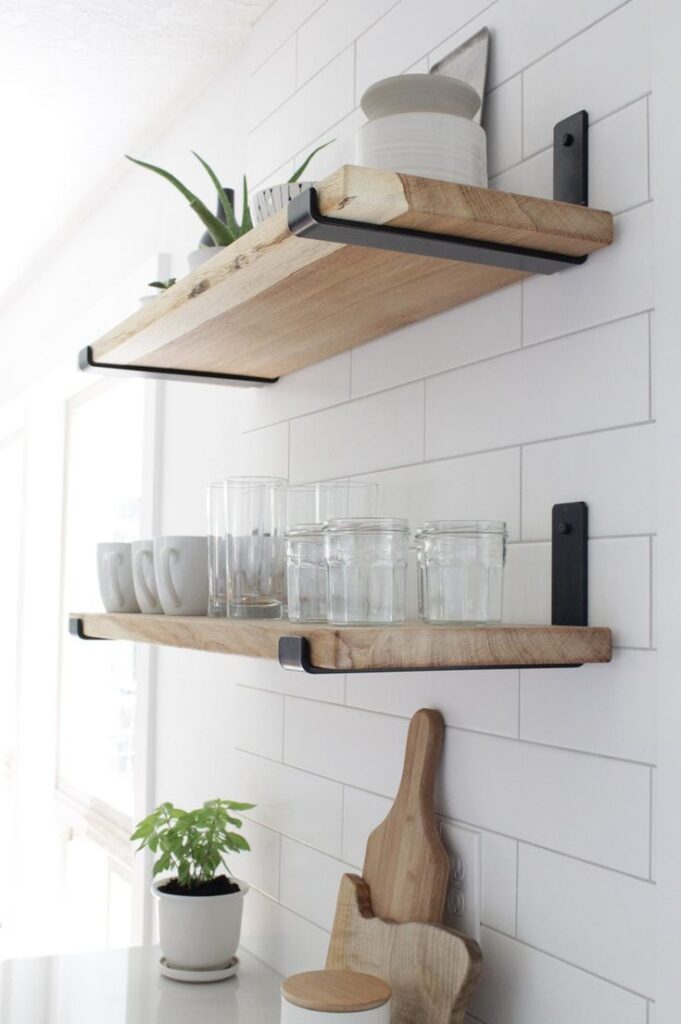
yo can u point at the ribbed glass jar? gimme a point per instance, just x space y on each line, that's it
367 570
306 573
460 570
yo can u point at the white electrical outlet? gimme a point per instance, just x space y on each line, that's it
463 895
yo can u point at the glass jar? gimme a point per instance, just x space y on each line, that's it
306 573
367 570
460 570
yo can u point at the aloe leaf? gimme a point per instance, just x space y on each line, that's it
246 220
230 219
303 167
220 233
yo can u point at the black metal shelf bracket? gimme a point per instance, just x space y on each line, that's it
569 596
87 361
570 175
76 628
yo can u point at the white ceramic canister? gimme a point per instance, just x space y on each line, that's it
422 125
335 997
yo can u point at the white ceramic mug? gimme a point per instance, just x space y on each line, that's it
181 567
114 572
143 577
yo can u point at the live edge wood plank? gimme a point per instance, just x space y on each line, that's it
272 303
411 645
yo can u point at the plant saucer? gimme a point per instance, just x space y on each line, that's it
199 975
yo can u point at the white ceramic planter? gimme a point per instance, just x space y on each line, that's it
199 932
203 253
270 200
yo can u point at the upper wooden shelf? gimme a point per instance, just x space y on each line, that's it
411 645
274 302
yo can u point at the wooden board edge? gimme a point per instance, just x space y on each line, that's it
381 197
360 648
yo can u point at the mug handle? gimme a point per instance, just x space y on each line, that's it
140 556
166 554
114 559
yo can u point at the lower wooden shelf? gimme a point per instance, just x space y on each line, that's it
410 645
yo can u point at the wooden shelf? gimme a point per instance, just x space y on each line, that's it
273 302
411 645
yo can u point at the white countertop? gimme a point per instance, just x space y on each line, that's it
125 987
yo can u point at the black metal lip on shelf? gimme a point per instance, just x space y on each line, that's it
570 185
87 361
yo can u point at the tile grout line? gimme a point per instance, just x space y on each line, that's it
651 824
651 588
575 966
448 820
517 886
650 364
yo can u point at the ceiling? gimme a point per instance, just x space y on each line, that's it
80 80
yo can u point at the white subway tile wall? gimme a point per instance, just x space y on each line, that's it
540 393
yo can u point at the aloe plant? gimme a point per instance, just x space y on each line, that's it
221 234
227 232
163 285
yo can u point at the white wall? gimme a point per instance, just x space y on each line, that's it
540 393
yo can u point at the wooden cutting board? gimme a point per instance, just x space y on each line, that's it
431 970
406 866
388 922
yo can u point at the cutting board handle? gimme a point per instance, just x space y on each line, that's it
406 866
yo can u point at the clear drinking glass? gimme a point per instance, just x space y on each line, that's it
460 570
367 570
332 499
306 573
255 511
217 551
345 499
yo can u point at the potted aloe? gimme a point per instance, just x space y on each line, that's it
222 228
199 907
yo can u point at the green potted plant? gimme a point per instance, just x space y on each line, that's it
269 200
199 907
222 228
160 286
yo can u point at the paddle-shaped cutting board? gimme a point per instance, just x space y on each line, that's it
406 866
388 922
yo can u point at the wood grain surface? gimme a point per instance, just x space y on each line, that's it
406 865
336 991
431 970
272 303
410 645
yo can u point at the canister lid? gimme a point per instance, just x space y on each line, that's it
336 991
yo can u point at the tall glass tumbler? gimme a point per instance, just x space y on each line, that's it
346 499
217 551
255 511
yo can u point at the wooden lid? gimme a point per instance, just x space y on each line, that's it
335 991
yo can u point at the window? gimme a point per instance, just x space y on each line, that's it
98 681
11 518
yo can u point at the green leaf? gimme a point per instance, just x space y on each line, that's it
230 219
219 232
246 220
303 167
